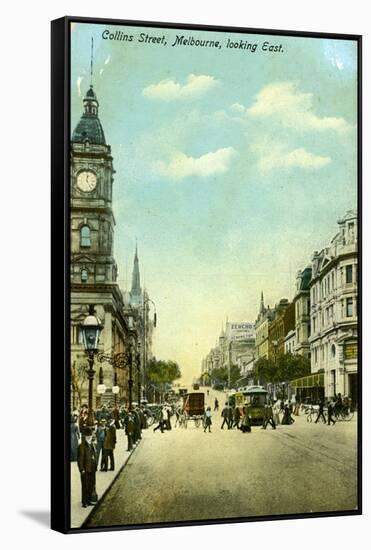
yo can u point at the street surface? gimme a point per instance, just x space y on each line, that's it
186 474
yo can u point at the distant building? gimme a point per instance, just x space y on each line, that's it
290 342
281 325
302 312
334 321
265 317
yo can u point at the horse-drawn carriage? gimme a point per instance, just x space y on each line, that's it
193 409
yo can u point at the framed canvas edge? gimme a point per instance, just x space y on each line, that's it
60 287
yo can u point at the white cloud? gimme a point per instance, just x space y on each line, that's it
78 84
180 166
292 108
169 90
273 156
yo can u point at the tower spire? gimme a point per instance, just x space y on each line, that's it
136 291
262 303
91 62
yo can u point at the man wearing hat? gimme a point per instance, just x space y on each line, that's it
100 435
87 463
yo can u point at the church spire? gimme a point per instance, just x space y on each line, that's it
136 291
262 303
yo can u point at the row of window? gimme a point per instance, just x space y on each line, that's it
328 283
320 352
347 310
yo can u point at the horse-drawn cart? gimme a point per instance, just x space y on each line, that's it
194 407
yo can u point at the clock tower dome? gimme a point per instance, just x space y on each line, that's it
92 220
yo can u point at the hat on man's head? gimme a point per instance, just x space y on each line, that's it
87 431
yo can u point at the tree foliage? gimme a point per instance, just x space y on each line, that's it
287 367
162 372
220 375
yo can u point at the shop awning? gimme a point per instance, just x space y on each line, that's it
313 381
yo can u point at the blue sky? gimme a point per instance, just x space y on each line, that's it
232 167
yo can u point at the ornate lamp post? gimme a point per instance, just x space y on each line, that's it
122 360
91 329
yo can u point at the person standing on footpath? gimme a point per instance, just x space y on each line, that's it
129 429
75 437
216 404
109 446
100 435
87 464
161 420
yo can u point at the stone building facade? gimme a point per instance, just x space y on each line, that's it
334 321
302 312
93 266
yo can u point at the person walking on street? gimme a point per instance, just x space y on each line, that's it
109 447
160 425
276 412
87 464
246 421
216 405
168 417
338 405
236 418
207 419
330 410
287 418
225 416
268 417
320 412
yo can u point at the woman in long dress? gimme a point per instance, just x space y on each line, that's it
246 421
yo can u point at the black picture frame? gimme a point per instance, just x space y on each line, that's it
60 267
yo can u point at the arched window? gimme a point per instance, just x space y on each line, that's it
84 275
85 236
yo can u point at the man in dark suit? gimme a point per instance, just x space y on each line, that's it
87 463
109 446
129 430
321 412
268 417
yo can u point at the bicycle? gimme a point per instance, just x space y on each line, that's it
343 414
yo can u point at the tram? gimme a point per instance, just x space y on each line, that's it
253 399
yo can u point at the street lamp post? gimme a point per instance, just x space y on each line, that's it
138 371
130 376
91 329
275 344
145 309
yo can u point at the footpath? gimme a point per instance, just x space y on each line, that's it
104 480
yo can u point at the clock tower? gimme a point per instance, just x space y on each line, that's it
92 220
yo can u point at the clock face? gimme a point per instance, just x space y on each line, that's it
87 181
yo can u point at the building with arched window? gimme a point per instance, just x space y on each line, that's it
333 311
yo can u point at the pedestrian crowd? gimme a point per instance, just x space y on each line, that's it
93 444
